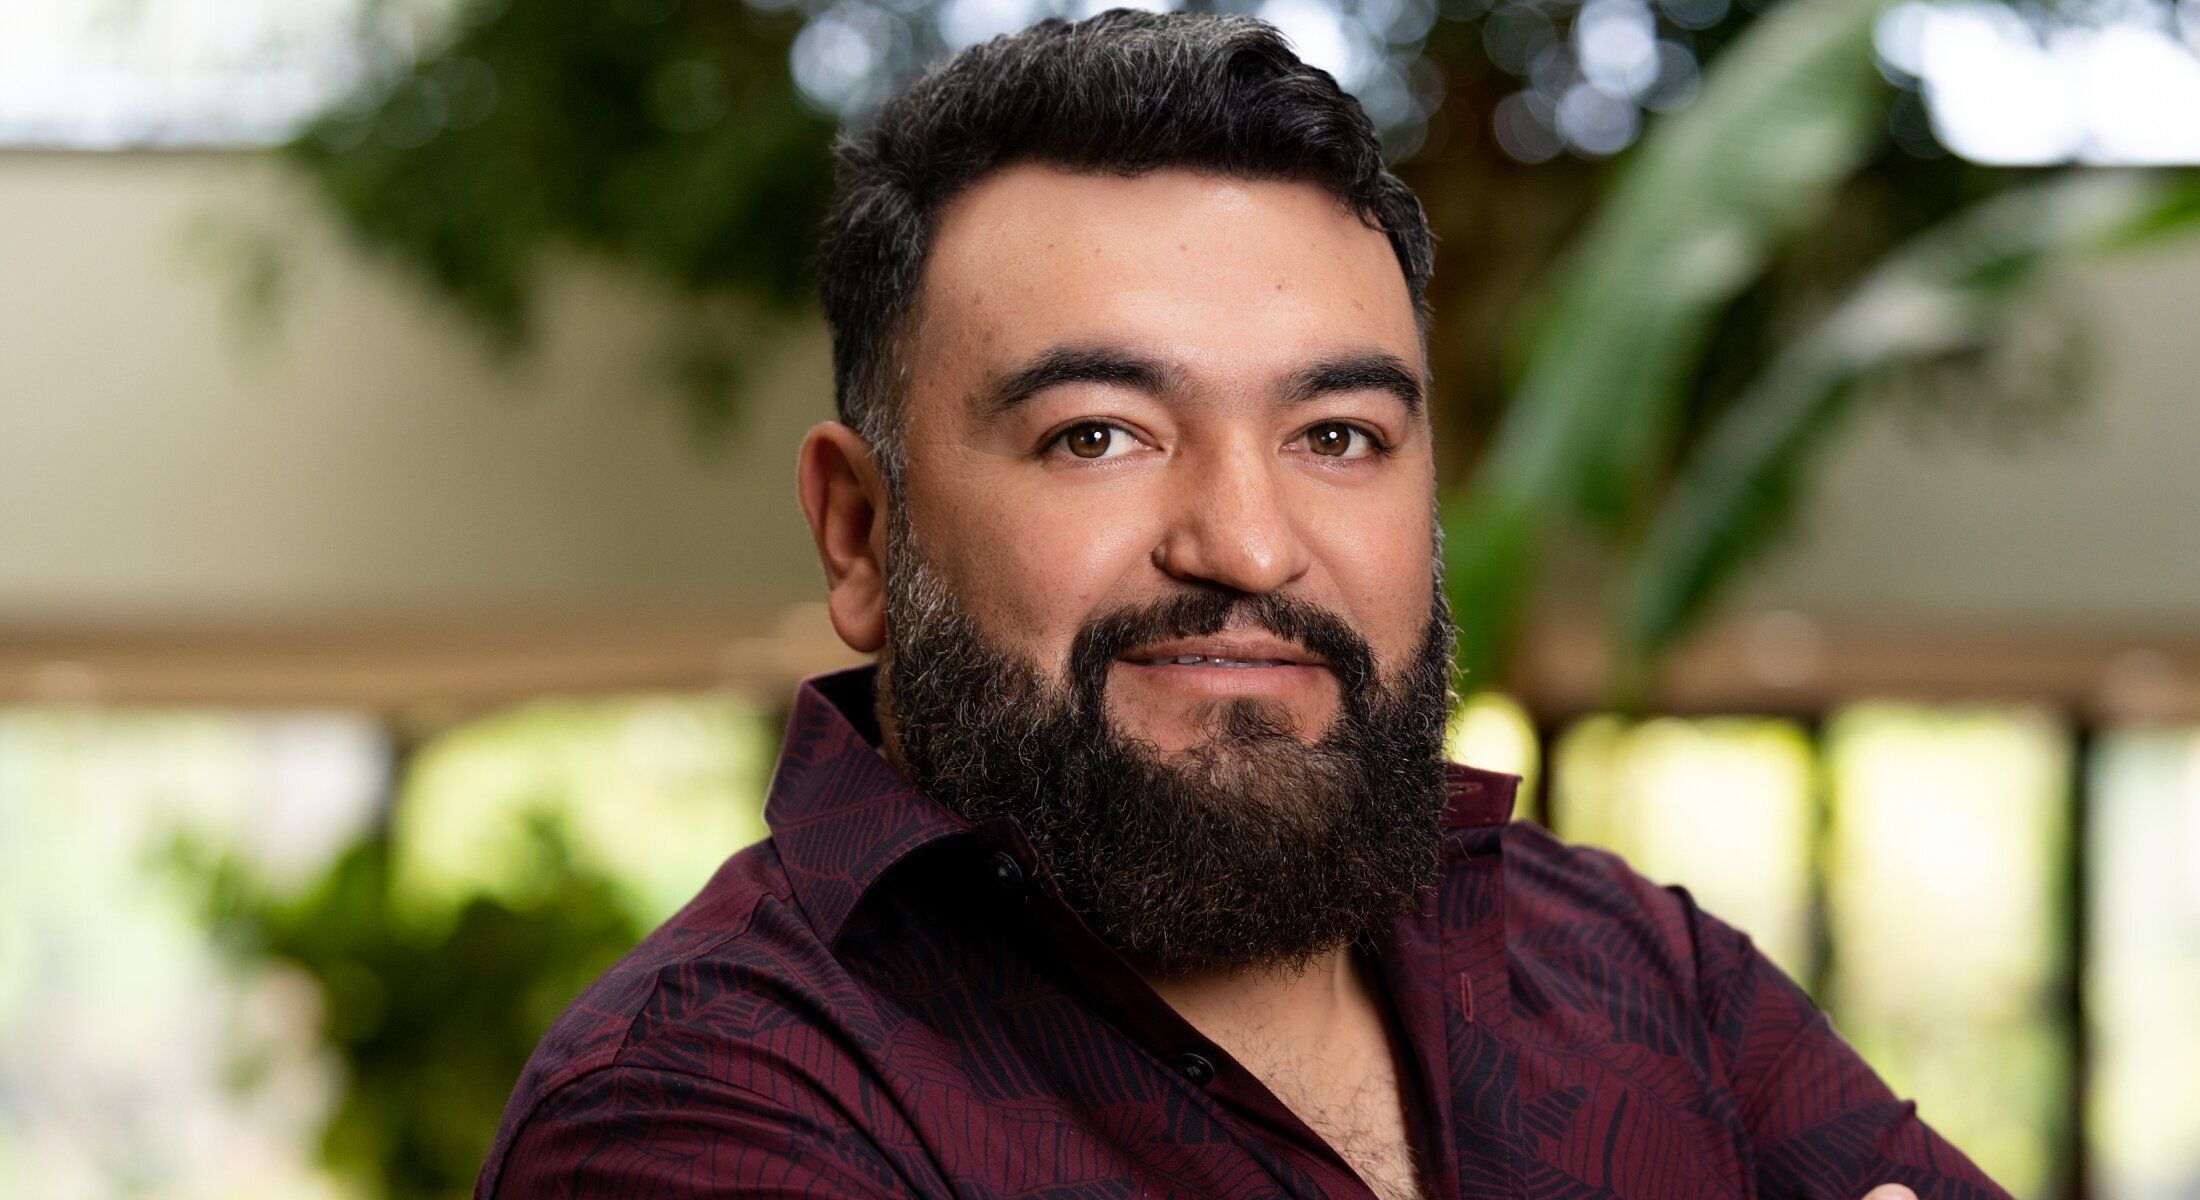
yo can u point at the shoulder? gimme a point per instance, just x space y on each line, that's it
626 1130
1586 930
691 999
1551 885
1581 922
743 914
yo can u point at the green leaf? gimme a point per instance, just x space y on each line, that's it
1787 112
1946 292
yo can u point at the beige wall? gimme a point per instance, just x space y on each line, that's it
160 463
159 460
2098 523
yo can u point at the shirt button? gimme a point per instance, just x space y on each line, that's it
1195 1068
1008 874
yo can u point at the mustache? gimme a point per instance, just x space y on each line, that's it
1114 635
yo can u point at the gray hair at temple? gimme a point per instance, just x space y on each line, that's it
1124 92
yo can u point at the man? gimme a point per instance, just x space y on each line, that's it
1136 870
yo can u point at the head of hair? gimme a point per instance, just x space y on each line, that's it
1124 92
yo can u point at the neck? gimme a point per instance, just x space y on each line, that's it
1317 1039
1296 1007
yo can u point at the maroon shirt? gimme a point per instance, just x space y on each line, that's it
884 1000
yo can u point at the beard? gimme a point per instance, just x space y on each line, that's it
1253 848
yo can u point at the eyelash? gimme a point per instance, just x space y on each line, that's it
1376 446
1058 442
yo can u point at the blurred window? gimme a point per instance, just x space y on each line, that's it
139 1055
105 74
2143 973
1943 841
2103 82
194 992
1947 885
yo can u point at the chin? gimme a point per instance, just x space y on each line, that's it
1222 728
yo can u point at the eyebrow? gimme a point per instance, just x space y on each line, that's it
1372 370
1076 364
1367 371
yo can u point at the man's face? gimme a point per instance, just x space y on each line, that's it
1159 582
1124 390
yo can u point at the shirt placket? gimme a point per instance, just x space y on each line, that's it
1481 1064
1296 1158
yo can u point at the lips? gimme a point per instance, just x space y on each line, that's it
1228 651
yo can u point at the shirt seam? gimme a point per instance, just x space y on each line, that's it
535 1110
1720 1000
1779 1063
617 1057
657 977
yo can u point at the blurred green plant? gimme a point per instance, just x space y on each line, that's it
665 138
525 851
1652 349
1691 220
432 1030
1687 361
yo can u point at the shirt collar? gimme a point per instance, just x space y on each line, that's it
842 816
1478 796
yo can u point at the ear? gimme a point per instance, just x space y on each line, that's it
844 498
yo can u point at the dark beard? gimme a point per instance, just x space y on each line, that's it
1253 849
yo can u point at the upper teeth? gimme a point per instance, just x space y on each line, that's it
1187 660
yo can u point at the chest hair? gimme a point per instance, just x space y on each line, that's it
1362 1118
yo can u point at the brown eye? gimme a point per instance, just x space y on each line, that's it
1089 440
1331 440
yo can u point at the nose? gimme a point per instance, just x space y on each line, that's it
1231 524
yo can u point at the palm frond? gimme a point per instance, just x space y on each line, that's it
1789 111
1947 292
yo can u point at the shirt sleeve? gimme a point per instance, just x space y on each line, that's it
630 1132
1822 1124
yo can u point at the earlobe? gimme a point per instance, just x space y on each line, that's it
843 498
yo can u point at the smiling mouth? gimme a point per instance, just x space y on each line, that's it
1201 660
1230 665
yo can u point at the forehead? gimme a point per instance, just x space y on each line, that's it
1239 278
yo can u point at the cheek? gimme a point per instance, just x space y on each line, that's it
1383 569
1033 567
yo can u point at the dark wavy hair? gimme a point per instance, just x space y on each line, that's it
1124 92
